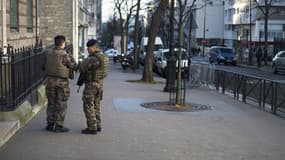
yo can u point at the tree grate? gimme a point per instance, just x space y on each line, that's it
166 106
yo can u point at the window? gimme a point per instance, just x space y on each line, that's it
29 15
282 54
14 15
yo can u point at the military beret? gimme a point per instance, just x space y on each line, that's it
91 42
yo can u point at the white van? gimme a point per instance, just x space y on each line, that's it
143 48
161 61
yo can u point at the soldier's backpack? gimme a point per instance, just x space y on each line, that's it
103 70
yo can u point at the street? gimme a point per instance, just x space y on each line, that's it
231 130
264 73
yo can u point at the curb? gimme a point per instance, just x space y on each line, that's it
8 129
11 122
262 68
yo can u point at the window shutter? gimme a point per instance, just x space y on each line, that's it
14 15
30 15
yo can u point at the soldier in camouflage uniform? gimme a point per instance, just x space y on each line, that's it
93 89
56 66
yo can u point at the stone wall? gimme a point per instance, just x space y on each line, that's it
55 19
22 37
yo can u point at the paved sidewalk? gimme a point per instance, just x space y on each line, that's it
232 130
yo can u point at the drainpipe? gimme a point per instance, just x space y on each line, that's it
37 36
4 26
75 29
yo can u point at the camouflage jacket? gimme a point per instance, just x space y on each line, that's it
57 63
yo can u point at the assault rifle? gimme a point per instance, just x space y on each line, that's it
81 79
69 50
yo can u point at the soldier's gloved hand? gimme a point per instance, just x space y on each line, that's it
76 68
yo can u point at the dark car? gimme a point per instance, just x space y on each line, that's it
278 62
221 54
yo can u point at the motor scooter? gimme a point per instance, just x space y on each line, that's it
127 61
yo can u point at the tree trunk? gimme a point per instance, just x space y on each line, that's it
155 21
180 44
127 39
190 33
122 29
122 41
266 16
136 53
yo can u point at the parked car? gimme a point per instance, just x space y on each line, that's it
278 62
110 53
161 61
220 54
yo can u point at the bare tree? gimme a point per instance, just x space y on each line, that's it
136 35
265 11
125 9
110 29
182 6
155 21
184 13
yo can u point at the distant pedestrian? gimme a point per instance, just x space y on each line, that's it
95 67
115 56
198 51
193 51
258 55
57 65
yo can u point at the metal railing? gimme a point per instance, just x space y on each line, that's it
268 94
279 44
21 73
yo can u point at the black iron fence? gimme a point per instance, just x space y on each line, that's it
20 74
279 44
268 94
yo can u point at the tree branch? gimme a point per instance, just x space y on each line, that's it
259 6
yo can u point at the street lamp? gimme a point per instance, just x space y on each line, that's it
171 61
250 56
204 30
206 2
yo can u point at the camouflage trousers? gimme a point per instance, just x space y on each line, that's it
92 95
57 92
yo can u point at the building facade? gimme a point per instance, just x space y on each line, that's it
243 16
238 23
210 22
18 23
76 19
244 24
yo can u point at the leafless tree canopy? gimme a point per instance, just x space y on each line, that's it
125 9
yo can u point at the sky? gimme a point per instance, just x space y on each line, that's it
107 9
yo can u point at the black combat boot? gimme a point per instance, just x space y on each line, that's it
50 127
60 128
88 131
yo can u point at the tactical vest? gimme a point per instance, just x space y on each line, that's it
103 70
54 66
